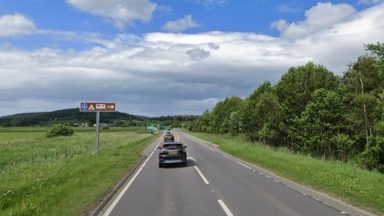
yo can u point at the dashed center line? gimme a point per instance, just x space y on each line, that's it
201 175
225 208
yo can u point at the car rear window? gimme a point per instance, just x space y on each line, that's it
173 146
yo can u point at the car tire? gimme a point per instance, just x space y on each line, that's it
185 163
160 165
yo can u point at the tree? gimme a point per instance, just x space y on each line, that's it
295 88
373 157
248 116
363 82
322 120
294 92
261 116
363 76
344 146
269 113
202 123
377 51
234 122
221 113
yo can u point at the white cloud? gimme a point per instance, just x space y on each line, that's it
281 25
16 24
370 2
209 3
164 9
181 24
175 73
119 12
319 17
285 8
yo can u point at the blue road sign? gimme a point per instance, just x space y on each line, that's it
84 106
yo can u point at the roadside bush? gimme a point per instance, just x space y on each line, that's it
59 130
373 157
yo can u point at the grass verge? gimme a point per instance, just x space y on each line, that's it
342 180
62 176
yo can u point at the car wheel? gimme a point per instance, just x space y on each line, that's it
160 165
185 163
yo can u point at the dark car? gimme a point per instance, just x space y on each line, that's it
172 153
168 137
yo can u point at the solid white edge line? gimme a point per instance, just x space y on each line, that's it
243 165
201 175
227 157
199 142
225 208
206 147
114 203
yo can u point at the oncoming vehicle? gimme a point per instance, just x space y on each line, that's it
172 153
168 137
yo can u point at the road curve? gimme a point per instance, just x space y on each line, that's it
214 183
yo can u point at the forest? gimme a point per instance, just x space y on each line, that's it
312 111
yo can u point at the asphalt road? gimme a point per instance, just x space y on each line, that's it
214 183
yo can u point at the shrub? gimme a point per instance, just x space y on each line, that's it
373 157
59 130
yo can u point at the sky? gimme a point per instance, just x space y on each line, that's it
169 57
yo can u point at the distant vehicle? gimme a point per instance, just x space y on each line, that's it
168 137
172 153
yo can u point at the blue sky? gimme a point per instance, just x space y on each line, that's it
210 15
172 56
223 15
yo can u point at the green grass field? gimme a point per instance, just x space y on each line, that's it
350 183
62 176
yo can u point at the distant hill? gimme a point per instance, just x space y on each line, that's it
71 116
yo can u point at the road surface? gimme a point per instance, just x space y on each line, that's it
214 183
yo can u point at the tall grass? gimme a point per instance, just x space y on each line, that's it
346 181
62 176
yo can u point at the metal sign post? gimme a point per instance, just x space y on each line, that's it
97 132
97 107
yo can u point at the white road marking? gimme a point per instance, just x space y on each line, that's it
222 204
244 165
225 208
192 159
206 147
114 203
177 137
201 175
199 141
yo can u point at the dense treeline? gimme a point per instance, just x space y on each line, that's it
310 110
177 121
68 116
